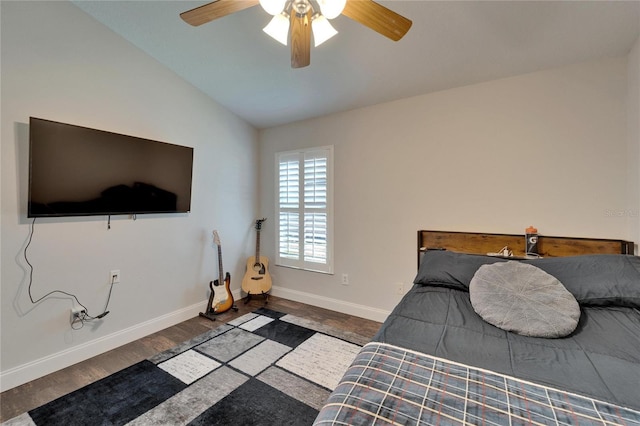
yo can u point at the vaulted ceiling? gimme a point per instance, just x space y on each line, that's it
451 44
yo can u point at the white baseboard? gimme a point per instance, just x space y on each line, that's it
354 309
41 367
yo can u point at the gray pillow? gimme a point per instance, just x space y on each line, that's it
598 279
446 268
594 280
523 299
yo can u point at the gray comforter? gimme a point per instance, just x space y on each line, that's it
601 359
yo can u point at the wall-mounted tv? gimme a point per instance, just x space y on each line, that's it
77 171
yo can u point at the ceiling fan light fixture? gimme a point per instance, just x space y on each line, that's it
322 30
294 20
278 28
272 7
331 8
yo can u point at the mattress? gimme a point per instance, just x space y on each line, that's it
593 370
601 359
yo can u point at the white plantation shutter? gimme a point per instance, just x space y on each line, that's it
304 209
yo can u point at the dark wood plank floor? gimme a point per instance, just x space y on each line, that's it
33 394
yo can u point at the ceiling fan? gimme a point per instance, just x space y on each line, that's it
293 20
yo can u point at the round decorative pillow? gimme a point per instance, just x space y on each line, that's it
523 299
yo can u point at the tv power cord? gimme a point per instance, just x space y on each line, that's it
79 315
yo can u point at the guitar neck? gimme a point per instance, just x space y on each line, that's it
258 247
221 273
258 228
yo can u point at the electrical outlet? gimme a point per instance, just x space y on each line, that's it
77 314
345 279
114 276
400 288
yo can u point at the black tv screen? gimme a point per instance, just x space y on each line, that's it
77 171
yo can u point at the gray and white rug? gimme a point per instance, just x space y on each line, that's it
264 368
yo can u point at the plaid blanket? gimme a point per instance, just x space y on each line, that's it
386 384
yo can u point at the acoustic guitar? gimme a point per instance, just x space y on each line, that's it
257 279
222 300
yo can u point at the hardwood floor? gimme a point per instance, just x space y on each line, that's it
40 391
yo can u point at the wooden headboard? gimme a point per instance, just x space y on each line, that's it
480 243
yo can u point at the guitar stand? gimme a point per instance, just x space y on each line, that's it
264 294
210 315
207 316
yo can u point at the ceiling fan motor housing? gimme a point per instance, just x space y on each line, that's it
301 7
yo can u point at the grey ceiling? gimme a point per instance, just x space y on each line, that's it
451 44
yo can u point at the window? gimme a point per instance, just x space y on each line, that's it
304 231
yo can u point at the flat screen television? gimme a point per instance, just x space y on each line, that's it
78 171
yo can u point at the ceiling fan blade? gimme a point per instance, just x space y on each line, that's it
217 9
378 18
300 40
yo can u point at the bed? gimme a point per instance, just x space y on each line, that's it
442 357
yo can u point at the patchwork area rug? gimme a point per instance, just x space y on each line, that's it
264 368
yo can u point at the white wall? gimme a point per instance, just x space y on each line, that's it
547 149
632 213
60 64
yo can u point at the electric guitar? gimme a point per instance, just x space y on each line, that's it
219 301
257 279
